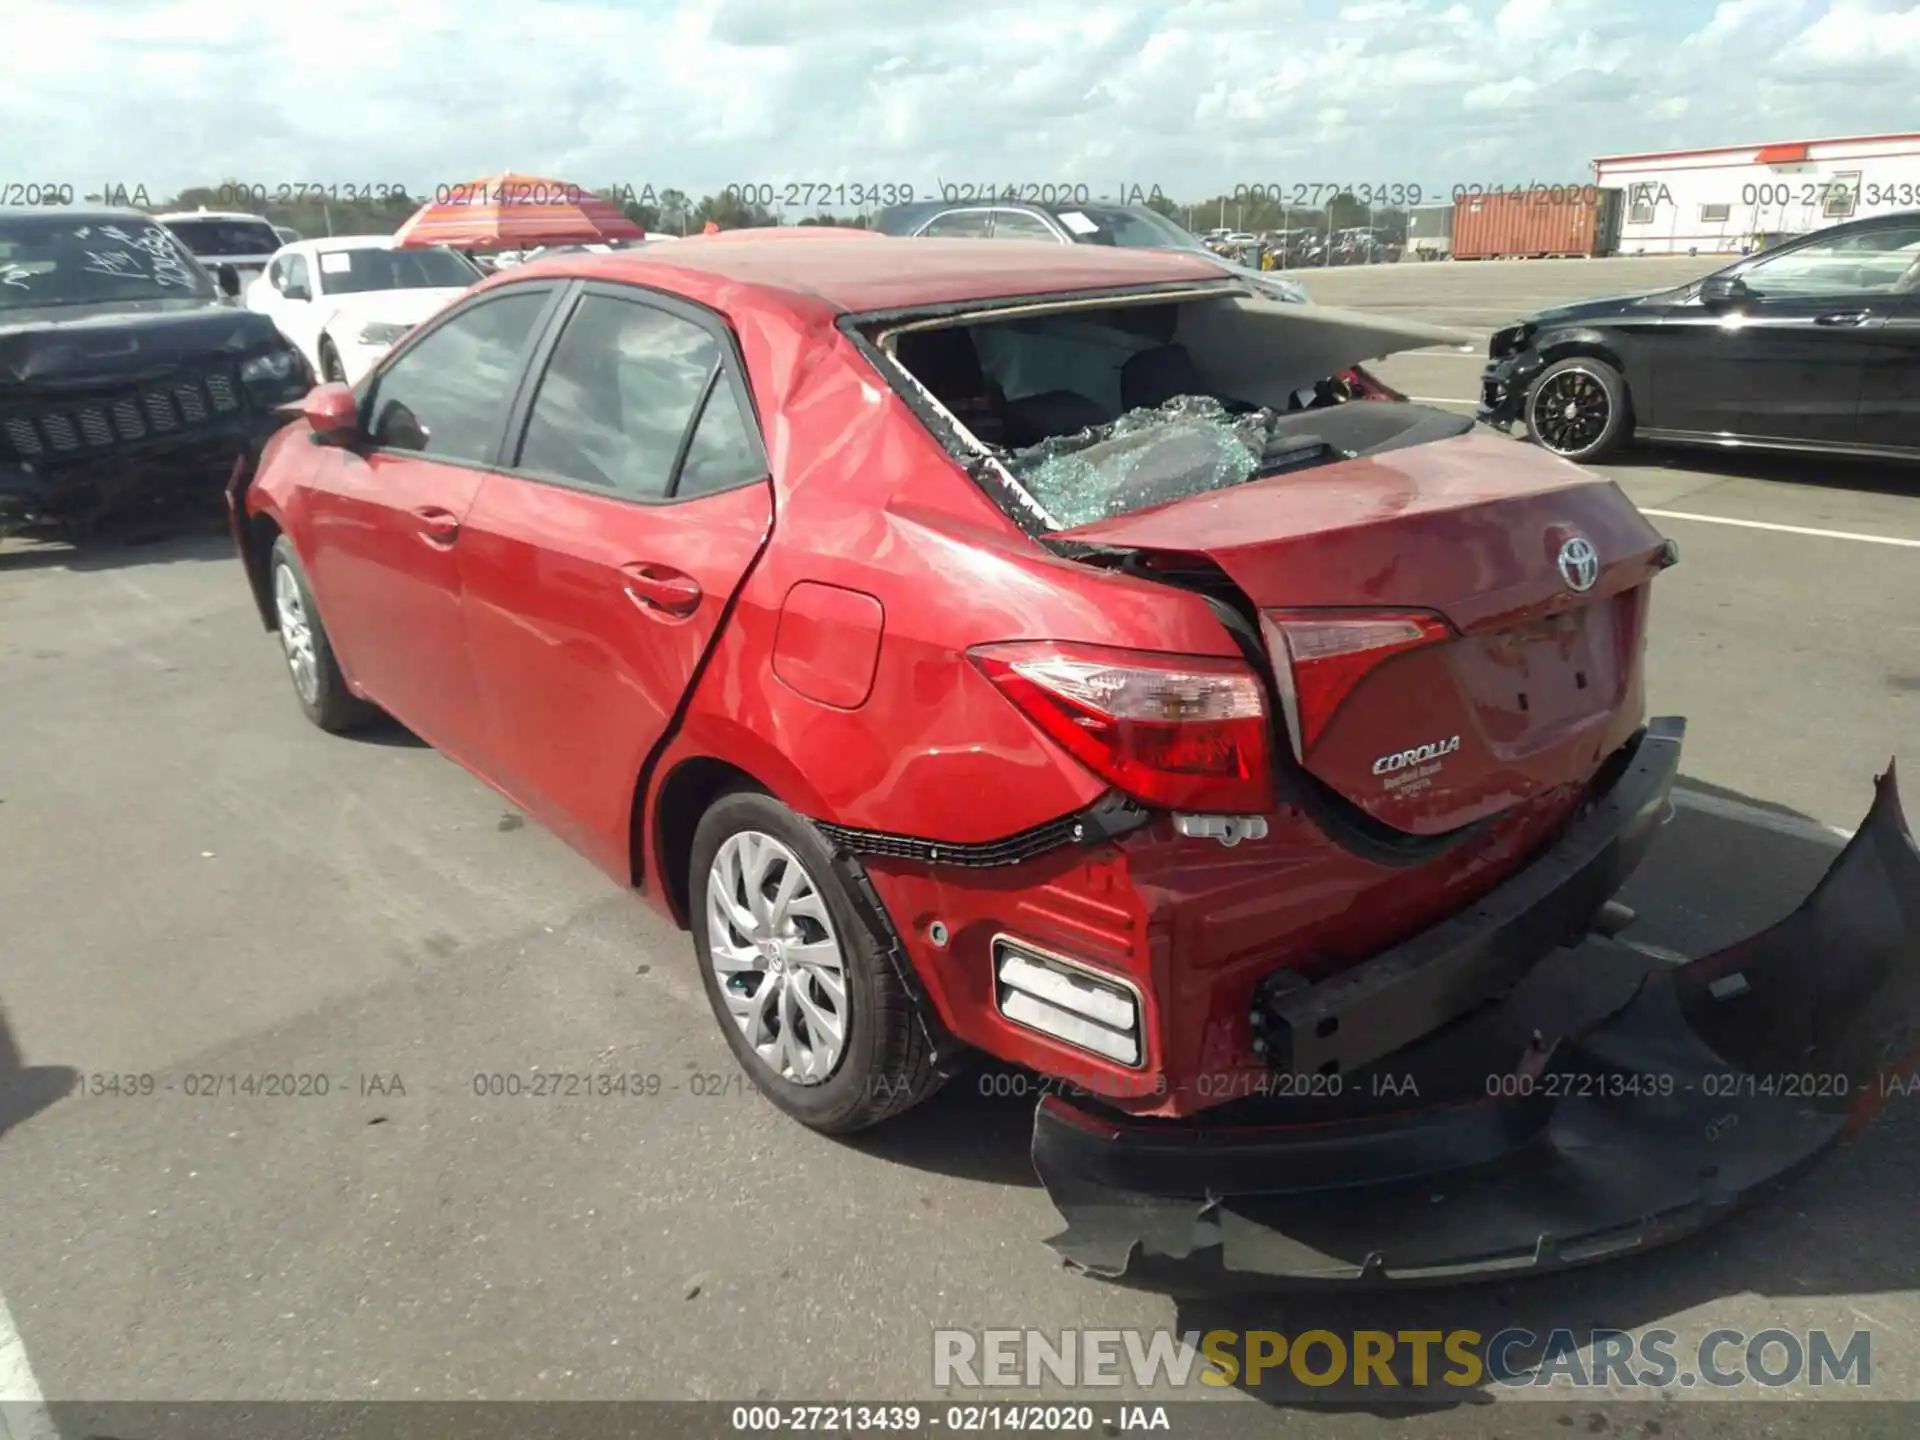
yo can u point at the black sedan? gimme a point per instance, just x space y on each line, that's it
1814 345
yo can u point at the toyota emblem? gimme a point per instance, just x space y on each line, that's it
1579 564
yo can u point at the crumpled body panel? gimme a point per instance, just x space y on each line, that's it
1671 1094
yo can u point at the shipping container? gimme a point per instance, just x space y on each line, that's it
1558 220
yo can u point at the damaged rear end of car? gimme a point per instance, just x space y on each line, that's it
1370 843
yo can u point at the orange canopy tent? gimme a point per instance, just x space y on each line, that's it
514 212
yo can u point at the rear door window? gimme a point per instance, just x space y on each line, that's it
724 451
617 397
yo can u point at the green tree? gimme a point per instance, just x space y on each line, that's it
675 211
730 212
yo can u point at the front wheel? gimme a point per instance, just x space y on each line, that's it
804 993
1579 409
317 682
331 370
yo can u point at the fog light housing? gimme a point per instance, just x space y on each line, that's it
1069 1002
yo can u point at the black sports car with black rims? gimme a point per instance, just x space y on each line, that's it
125 376
1813 345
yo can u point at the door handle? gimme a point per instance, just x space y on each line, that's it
438 527
1841 317
656 587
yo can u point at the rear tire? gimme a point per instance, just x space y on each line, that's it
317 682
802 989
1579 409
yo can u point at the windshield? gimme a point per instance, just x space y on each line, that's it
69 260
1129 226
226 239
350 272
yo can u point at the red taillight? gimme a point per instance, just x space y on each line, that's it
1329 652
1185 733
1364 387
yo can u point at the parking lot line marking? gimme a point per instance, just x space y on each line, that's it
23 1410
1440 400
1796 826
1784 529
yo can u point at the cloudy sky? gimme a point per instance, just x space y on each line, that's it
1193 97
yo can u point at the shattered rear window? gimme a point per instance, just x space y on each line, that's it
1150 456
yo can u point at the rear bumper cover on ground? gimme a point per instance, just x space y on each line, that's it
1612 1102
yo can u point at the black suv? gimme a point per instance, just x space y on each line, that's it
125 376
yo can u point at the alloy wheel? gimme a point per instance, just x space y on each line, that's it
1569 411
777 958
296 635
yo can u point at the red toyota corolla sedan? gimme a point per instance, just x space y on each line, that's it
983 646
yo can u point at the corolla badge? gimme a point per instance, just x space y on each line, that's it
1579 564
1418 755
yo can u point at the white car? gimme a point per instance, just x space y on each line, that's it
346 299
225 237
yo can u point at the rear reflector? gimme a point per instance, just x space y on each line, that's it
1181 732
1056 997
1319 657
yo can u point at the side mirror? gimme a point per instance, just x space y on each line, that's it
332 413
1722 290
228 279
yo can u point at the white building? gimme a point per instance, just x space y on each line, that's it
1720 199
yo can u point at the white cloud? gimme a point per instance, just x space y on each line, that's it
1192 95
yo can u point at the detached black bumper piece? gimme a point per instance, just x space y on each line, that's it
1611 1103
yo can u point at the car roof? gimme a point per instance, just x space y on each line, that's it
846 275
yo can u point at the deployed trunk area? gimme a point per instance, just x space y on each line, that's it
1100 411
1453 624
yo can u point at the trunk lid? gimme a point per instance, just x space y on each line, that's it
1536 682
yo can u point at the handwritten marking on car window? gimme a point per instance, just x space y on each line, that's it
111 262
167 266
15 275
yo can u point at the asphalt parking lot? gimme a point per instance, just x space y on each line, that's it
194 882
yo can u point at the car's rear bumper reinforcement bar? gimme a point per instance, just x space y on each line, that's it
1612 1102
1390 1001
